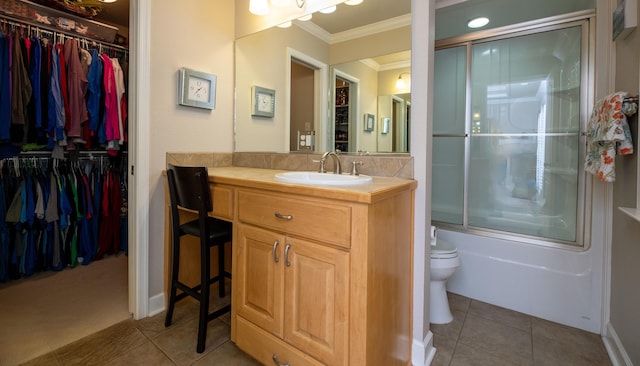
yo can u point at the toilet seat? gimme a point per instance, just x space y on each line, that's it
443 250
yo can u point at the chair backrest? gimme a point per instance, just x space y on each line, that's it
189 188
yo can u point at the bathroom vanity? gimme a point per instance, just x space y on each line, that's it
321 275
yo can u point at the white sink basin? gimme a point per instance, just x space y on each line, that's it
322 179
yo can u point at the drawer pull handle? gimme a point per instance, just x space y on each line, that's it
286 255
284 217
273 251
275 360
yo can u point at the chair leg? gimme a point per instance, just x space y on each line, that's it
175 270
221 287
205 258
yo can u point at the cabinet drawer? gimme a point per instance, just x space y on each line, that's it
263 346
317 220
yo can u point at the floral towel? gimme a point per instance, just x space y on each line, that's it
607 134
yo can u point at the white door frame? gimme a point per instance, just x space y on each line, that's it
138 182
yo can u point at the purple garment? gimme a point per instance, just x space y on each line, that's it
21 85
76 89
5 89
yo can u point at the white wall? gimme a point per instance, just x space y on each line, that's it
197 34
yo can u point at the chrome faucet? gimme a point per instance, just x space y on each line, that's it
336 162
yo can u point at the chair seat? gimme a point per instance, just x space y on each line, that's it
219 231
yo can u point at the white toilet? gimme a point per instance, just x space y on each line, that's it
444 262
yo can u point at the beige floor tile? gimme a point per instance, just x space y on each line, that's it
179 342
48 359
496 339
502 315
458 302
450 330
145 354
185 310
556 344
226 355
468 356
103 346
444 350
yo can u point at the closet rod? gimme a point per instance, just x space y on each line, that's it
53 31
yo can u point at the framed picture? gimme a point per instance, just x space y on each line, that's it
196 89
369 122
386 121
263 102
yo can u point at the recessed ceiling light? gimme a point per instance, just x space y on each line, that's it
478 22
328 10
353 2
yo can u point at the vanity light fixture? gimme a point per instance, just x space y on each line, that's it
306 17
107 1
261 7
478 22
353 2
328 10
400 83
285 25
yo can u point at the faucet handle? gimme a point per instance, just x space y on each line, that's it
354 169
321 167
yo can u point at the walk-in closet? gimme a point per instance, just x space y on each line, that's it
63 172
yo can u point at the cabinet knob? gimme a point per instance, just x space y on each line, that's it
275 360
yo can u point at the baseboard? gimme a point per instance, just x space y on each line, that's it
422 352
615 348
156 304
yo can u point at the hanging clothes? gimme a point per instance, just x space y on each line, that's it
49 216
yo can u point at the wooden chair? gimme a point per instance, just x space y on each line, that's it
189 189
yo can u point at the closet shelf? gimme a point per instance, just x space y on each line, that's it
634 213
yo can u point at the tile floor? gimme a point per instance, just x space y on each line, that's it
483 334
480 334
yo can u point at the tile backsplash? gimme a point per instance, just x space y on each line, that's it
399 166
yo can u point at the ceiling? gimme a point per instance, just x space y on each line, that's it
452 15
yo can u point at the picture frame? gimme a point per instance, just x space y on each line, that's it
386 121
196 89
369 122
263 102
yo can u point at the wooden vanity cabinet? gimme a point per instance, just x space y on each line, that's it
313 284
319 276
294 289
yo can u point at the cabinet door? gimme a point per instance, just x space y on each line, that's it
316 300
259 281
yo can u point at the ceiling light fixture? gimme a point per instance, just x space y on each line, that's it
478 22
400 83
285 24
107 1
353 2
306 17
261 7
328 10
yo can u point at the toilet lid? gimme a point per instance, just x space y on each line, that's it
443 249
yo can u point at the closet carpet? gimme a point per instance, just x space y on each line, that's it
47 310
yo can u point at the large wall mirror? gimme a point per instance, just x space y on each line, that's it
335 81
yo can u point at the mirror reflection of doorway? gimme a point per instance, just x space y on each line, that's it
302 113
345 111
